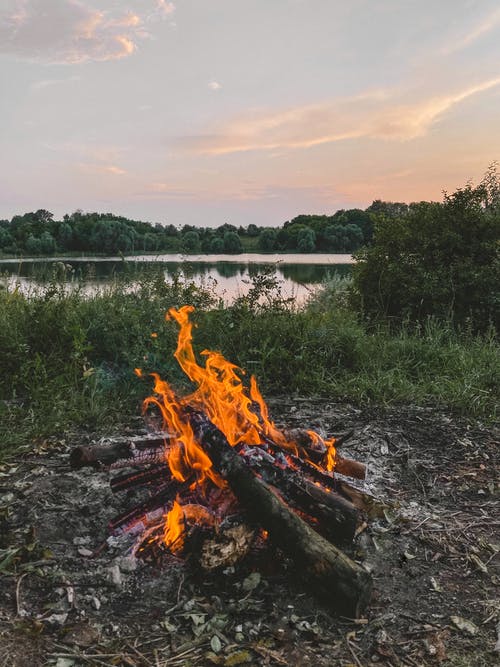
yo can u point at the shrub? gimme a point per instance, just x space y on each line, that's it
439 260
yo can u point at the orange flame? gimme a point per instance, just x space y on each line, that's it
241 414
175 523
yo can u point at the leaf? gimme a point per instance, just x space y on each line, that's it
478 563
197 619
237 658
463 624
8 559
216 644
435 585
251 582
65 662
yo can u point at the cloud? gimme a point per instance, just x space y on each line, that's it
70 31
49 83
486 25
241 192
379 115
101 168
165 8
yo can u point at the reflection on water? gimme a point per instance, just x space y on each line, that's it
229 278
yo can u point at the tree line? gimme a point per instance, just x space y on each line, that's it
38 233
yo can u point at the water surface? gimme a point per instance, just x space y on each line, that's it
229 275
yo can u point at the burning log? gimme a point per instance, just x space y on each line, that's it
337 517
345 585
335 511
307 442
141 450
154 507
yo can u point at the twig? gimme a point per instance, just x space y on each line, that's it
141 655
179 589
352 652
18 593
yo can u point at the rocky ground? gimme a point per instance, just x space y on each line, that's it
67 600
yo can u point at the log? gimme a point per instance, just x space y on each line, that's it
337 518
161 499
344 584
121 452
350 468
306 445
132 480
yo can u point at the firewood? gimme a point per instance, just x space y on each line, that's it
350 468
313 451
344 584
337 518
161 499
137 478
122 451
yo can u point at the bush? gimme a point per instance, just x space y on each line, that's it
439 260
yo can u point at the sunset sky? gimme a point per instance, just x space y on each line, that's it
243 111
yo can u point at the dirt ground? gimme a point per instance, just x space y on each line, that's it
432 550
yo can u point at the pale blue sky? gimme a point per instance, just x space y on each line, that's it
212 111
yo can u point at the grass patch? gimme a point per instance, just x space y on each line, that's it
68 358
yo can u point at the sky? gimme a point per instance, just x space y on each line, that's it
207 112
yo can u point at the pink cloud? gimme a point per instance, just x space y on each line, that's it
387 116
70 31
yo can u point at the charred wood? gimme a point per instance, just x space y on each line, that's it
344 584
160 500
131 451
137 478
336 517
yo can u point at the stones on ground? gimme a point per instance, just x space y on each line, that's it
85 552
128 564
115 575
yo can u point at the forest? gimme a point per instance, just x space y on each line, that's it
38 233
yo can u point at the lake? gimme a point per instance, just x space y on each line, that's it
299 274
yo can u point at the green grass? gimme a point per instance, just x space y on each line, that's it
67 359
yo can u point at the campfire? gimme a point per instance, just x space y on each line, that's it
221 477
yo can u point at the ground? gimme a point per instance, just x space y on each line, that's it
430 543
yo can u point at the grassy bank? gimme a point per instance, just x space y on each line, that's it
67 359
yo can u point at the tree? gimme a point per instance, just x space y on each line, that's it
6 239
65 236
217 245
267 240
306 240
226 227
47 243
150 241
232 243
112 236
190 242
33 245
438 259
253 230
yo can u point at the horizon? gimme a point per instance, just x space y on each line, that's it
222 112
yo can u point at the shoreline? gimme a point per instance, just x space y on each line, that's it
325 259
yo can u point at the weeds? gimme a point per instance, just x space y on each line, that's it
68 357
